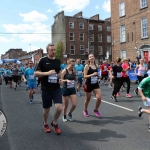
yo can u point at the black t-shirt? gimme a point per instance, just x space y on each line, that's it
117 71
49 83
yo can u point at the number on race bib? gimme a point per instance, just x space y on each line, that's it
94 79
53 78
72 85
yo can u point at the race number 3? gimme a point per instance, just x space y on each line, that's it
3 123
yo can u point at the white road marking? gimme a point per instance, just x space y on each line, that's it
116 105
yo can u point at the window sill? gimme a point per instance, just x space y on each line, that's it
82 54
81 29
143 7
122 16
122 42
71 40
99 41
72 54
144 38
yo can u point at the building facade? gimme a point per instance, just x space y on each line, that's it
34 56
13 53
81 36
129 28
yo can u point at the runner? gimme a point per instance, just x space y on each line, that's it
104 72
144 91
1 75
91 84
79 71
30 79
115 74
68 90
141 71
49 69
5 76
9 74
15 76
125 77
63 66
110 79
20 73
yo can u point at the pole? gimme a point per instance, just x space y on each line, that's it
30 47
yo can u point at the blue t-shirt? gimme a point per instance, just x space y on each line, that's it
79 69
5 72
9 73
29 74
1 71
146 66
20 71
63 66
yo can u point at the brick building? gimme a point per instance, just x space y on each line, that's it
34 56
81 36
13 53
129 28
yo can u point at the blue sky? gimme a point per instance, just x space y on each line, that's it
37 16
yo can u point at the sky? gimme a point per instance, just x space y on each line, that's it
27 24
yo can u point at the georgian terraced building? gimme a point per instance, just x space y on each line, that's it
130 28
81 36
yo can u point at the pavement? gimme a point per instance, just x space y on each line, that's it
119 128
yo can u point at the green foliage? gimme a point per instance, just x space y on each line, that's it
59 50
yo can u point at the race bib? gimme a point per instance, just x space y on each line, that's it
31 77
118 74
142 72
94 79
72 85
79 72
105 68
53 78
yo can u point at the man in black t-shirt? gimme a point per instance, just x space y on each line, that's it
49 69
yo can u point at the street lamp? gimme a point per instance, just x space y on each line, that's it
30 47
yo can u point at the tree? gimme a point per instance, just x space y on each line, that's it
59 50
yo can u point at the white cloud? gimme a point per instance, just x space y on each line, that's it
33 16
106 5
96 7
3 39
69 5
49 10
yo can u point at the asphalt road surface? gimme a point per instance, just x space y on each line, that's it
119 128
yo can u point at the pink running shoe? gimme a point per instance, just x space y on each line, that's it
128 96
118 94
97 113
85 112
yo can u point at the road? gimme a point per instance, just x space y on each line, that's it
119 128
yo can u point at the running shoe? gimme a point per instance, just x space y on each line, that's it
97 113
136 92
128 96
85 112
70 117
15 89
64 119
110 86
46 128
114 98
10 87
149 128
26 89
118 94
79 94
139 111
56 128
31 102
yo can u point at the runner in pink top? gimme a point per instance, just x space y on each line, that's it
124 75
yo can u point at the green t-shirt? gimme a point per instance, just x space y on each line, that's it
145 86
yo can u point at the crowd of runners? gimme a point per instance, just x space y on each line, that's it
63 82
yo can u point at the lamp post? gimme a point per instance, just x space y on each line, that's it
30 47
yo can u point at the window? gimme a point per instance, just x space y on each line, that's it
91 49
81 25
81 36
99 37
122 33
100 50
123 54
72 49
108 38
143 3
144 28
108 28
99 27
71 36
91 37
109 49
71 25
91 27
82 49
122 9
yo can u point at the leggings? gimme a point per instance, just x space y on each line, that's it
127 80
6 80
140 78
116 83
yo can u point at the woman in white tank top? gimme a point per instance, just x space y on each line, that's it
140 74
